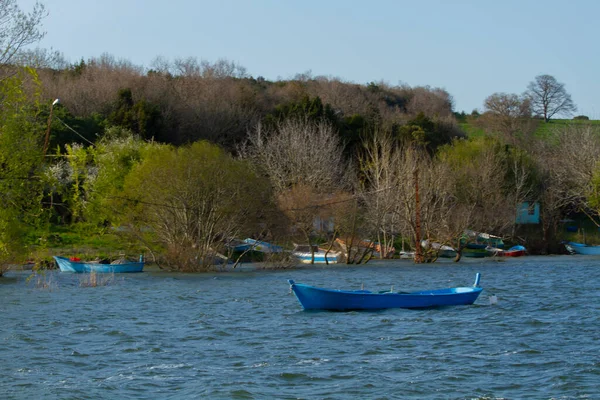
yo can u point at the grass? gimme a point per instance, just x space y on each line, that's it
76 241
94 279
41 280
544 129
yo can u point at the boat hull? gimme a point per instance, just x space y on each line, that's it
67 265
313 298
585 249
305 258
515 251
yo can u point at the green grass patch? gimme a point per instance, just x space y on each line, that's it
84 241
543 130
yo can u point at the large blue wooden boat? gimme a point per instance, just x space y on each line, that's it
314 298
73 265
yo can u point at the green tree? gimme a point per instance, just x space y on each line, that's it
141 117
309 108
113 158
188 202
425 130
20 164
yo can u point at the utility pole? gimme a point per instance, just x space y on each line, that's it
47 138
418 253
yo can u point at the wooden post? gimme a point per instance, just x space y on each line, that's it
418 253
47 138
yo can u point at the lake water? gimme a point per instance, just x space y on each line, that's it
242 335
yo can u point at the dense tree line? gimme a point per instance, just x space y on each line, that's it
186 156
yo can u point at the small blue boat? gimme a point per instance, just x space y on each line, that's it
584 249
313 298
70 265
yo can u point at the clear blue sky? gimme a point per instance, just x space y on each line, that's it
470 48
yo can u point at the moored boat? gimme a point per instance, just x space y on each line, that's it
515 251
78 266
314 298
321 256
584 249
441 250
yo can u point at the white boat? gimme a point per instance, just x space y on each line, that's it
441 249
305 256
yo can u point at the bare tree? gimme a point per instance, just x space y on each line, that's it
299 152
509 115
305 164
570 166
17 28
549 97
41 58
464 188
378 167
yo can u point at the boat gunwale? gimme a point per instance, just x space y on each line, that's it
425 293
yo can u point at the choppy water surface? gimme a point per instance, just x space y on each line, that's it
242 335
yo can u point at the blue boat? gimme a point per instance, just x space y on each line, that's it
313 298
253 245
74 265
584 249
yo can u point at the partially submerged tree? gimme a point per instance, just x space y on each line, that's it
477 196
191 200
377 166
569 165
548 97
304 162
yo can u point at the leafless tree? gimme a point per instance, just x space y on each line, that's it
549 97
433 102
305 164
41 58
378 166
509 115
299 152
460 193
18 29
569 167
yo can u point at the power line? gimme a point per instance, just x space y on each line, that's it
73 130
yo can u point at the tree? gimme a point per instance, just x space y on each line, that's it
433 133
189 201
20 165
17 28
570 165
113 158
141 117
304 162
507 114
377 166
465 188
299 151
549 97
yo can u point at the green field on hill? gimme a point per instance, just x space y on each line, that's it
543 128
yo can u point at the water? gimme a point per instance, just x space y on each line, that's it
242 335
